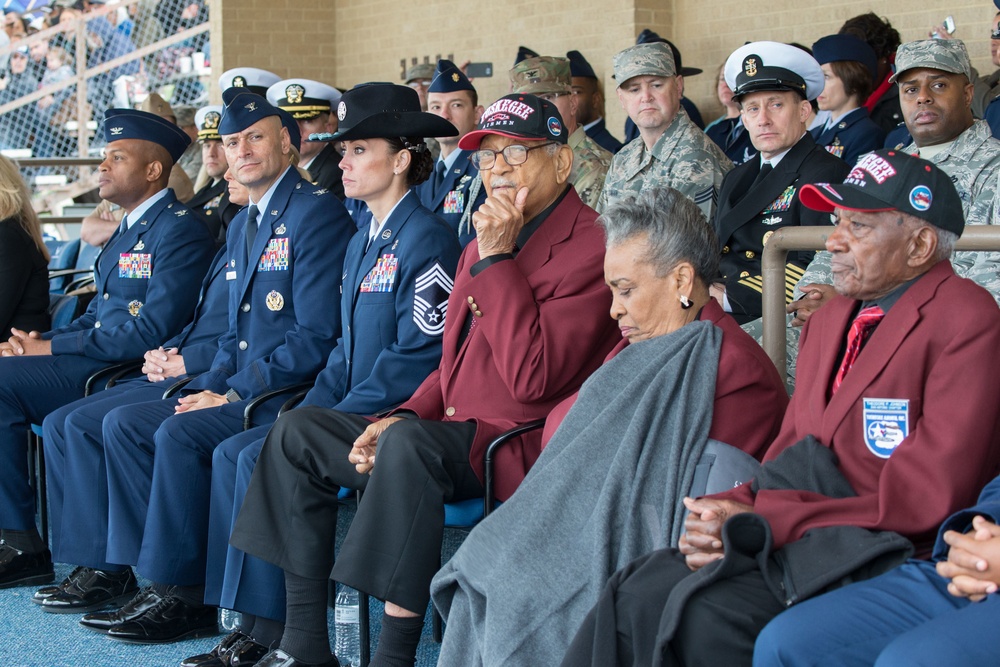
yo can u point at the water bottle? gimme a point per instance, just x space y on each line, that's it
230 620
346 620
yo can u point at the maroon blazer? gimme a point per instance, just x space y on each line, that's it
543 328
937 354
750 398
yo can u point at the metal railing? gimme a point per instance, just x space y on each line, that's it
786 239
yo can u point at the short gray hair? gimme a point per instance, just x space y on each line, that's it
946 243
677 231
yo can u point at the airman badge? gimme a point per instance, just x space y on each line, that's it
294 93
430 300
341 110
139 246
750 64
281 229
134 307
886 424
773 220
274 301
239 82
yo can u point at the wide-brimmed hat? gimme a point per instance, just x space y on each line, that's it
385 110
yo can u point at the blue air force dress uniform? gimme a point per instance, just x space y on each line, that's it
74 446
752 204
580 68
211 203
283 321
854 134
305 99
396 282
147 279
449 191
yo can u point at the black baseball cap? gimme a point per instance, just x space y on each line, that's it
518 116
890 180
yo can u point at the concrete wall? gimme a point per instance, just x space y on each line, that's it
343 42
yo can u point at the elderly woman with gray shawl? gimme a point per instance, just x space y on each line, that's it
609 484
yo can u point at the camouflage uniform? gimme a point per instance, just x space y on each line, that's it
590 167
547 75
683 157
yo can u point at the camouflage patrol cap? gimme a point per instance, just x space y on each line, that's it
541 75
650 59
420 71
947 55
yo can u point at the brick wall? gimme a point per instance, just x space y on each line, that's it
343 42
287 37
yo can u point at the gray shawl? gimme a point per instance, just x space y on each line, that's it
604 491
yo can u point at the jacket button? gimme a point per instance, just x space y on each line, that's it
479 313
725 249
246 307
243 345
106 296
750 254
471 300
97 325
450 412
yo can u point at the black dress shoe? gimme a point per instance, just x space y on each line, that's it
235 650
91 590
247 654
103 621
214 658
20 569
278 658
48 591
167 621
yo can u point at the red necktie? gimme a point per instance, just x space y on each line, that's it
861 328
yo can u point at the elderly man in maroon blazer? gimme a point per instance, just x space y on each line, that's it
893 426
527 321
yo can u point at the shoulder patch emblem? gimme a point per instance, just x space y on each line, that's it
430 300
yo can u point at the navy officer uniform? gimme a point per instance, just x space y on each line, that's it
397 278
146 279
74 445
211 203
853 134
449 191
283 320
308 100
754 201
580 68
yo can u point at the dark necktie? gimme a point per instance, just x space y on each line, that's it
765 169
251 231
861 329
439 172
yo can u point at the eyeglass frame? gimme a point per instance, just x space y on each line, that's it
474 157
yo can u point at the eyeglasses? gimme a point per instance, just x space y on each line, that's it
552 97
513 155
420 83
995 33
